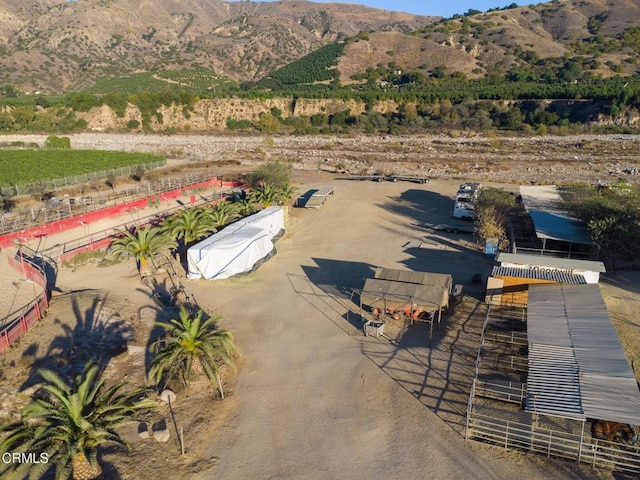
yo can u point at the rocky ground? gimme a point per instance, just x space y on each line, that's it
503 159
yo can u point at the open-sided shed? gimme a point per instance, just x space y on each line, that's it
559 233
409 294
577 366
580 399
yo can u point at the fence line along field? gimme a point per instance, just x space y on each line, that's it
21 168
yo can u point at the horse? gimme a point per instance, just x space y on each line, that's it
613 432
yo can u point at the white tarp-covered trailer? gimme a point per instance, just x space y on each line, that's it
237 248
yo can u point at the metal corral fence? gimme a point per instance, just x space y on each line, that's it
495 416
103 238
46 213
525 431
71 180
17 324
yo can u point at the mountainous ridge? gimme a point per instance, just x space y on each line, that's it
53 45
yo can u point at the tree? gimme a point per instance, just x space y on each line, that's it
265 195
142 244
267 123
189 225
192 345
490 225
276 173
68 423
492 210
497 198
222 214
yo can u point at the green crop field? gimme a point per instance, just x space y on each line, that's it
20 167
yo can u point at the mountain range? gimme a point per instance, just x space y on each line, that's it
56 46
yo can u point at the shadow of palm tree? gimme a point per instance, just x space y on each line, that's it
98 335
166 300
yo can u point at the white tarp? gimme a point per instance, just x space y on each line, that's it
236 248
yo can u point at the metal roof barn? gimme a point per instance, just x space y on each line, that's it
551 221
577 366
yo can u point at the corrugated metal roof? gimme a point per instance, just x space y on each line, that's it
551 262
577 367
551 275
550 219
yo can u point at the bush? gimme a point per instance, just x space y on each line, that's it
57 142
276 174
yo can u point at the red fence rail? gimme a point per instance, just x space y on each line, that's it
109 212
12 327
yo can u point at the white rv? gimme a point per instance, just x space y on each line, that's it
465 201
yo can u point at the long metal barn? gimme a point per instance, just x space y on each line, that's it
550 376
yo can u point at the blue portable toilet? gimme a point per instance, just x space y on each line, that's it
491 248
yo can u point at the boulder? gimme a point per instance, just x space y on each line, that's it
161 436
168 396
143 431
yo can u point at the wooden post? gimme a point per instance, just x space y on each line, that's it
182 439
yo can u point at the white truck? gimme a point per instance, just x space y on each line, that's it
465 201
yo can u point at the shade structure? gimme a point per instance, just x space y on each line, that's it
577 366
550 219
421 278
237 248
378 293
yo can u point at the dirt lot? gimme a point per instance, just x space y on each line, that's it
314 398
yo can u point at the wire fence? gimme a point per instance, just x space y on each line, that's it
70 180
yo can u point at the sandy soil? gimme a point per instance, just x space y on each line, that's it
314 398
15 292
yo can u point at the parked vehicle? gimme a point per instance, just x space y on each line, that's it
464 207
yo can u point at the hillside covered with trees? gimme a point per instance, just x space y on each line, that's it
559 66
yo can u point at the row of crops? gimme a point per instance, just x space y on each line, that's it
19 169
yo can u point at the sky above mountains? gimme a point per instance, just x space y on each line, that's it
432 7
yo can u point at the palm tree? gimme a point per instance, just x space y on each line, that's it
68 423
246 207
142 244
223 213
286 192
265 195
192 345
189 225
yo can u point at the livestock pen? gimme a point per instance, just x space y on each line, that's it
546 372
